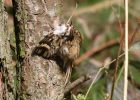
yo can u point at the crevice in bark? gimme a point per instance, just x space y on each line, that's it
18 33
40 79
6 66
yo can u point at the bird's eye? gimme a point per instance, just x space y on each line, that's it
70 38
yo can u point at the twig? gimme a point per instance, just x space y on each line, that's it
99 73
76 82
93 82
130 40
119 75
115 75
96 50
119 51
126 52
97 7
132 36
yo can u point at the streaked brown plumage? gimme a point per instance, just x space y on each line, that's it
69 51
66 47
48 46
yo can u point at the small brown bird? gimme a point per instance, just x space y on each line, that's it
65 46
69 50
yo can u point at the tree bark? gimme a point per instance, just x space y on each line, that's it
38 78
7 89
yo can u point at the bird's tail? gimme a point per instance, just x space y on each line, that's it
68 75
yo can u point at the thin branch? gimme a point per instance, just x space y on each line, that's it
99 73
119 51
76 82
126 51
132 36
93 82
97 7
96 50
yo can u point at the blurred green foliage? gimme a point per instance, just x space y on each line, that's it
104 25
97 91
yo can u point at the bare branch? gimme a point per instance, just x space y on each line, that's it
78 81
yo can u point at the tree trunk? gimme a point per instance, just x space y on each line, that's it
37 78
7 89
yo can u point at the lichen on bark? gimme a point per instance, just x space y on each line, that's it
40 79
7 89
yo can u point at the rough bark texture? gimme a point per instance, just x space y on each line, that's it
38 78
6 66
